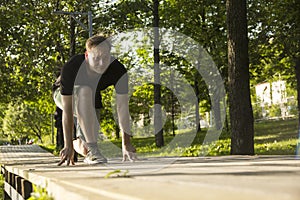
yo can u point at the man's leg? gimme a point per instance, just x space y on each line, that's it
79 142
80 146
86 114
88 123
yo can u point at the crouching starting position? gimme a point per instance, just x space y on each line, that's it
77 93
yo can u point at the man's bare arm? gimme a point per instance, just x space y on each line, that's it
67 119
67 152
123 112
124 122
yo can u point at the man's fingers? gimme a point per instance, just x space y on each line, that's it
130 156
66 155
70 160
124 157
61 162
130 159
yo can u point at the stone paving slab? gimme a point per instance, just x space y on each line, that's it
221 177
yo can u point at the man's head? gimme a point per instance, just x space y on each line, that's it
97 53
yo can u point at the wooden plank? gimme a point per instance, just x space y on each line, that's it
12 192
226 177
18 185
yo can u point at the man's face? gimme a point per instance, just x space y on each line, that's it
98 58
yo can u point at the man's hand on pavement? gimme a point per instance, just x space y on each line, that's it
66 154
129 152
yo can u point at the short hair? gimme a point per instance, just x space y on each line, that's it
95 41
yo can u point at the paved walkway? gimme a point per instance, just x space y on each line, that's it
225 177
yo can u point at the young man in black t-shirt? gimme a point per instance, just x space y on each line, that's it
77 93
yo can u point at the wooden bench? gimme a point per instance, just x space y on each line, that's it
209 178
16 186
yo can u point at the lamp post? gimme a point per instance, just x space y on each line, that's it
88 28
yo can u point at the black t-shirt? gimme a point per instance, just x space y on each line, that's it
74 72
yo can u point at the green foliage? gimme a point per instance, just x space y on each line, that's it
287 147
2 115
40 193
23 120
107 123
117 173
257 111
282 140
1 185
293 107
219 148
274 39
36 44
122 16
28 53
141 101
274 111
50 148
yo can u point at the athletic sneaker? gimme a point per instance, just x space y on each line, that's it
94 156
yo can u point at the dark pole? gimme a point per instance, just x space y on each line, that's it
159 140
172 101
73 15
90 21
72 38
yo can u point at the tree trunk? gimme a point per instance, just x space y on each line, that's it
159 139
240 108
297 70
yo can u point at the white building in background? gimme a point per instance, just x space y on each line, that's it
279 92
263 94
272 94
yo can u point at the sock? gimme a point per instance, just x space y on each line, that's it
91 146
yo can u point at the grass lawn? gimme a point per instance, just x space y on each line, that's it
278 137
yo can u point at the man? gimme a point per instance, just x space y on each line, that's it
80 82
